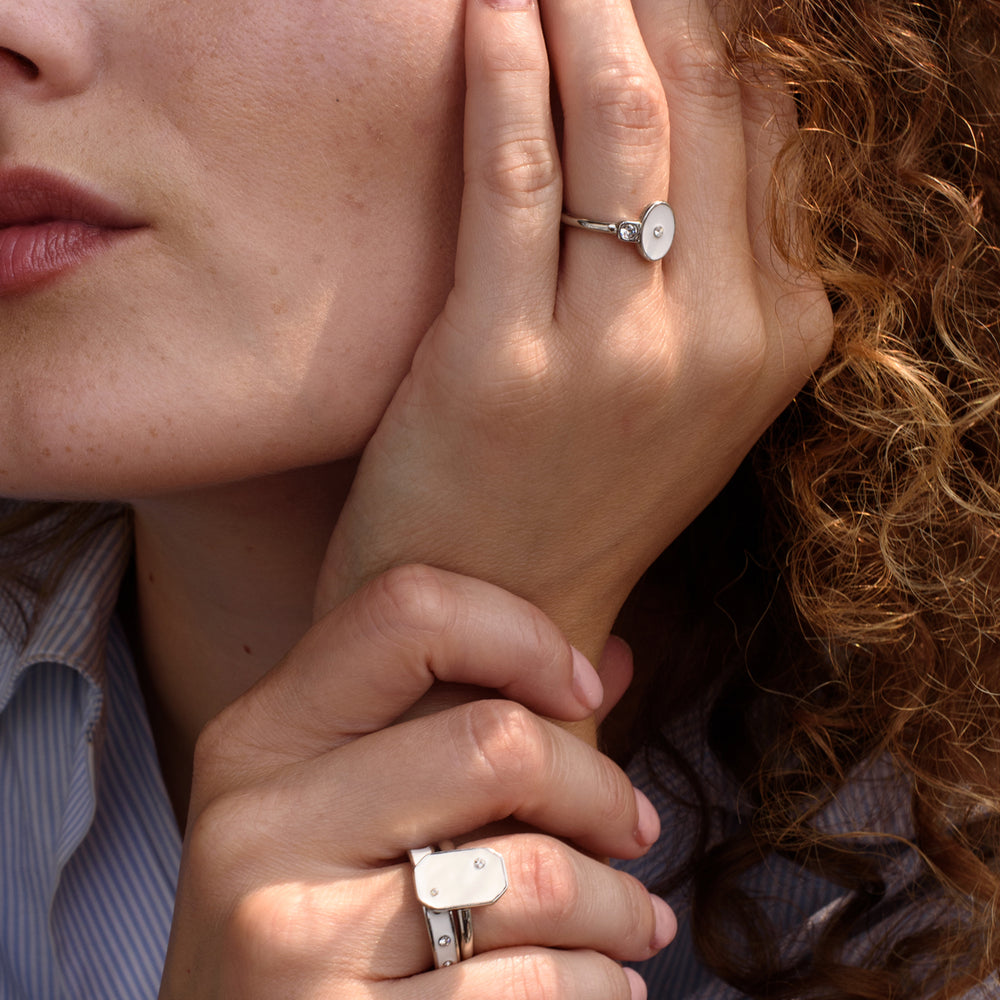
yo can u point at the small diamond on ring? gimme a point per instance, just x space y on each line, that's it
628 231
658 232
434 892
479 863
444 940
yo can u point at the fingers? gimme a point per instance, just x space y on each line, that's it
293 873
616 148
298 863
689 50
362 665
768 120
616 160
557 898
726 139
708 158
332 939
508 243
797 298
477 764
530 974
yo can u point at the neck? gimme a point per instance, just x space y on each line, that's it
225 579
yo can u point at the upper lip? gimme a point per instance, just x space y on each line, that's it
32 197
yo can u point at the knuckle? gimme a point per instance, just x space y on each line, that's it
614 798
210 747
217 843
521 170
262 923
410 601
745 356
219 758
637 919
636 364
537 975
697 65
504 743
734 351
630 106
526 360
634 354
511 389
274 930
523 375
551 886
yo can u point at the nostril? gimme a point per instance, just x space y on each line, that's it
26 65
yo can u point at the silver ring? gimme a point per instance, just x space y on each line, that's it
449 885
652 234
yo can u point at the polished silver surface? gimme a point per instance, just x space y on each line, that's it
441 925
652 235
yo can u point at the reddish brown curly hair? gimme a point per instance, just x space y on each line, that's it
869 519
843 587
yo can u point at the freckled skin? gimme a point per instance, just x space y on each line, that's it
298 167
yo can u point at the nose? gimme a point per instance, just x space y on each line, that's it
47 48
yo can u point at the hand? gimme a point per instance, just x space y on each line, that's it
293 882
574 406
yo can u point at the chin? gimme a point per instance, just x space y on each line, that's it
122 481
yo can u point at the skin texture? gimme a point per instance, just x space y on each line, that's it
297 168
224 367
345 797
603 398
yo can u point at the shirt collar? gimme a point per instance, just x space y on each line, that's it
71 627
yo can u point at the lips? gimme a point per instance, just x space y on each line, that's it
49 225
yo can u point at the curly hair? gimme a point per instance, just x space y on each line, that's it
843 586
869 517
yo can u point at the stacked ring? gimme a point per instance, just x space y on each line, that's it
449 884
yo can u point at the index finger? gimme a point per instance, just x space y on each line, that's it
370 659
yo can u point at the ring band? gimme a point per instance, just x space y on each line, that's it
652 234
441 924
449 884
462 921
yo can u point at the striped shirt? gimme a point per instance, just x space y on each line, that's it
89 847
872 812
90 851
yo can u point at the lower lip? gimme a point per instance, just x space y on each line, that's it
36 253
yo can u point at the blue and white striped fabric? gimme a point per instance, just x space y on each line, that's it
797 903
89 847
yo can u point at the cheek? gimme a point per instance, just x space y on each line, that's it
303 161
329 140
313 95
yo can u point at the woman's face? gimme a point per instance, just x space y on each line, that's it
273 195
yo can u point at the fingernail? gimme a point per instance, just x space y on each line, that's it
587 685
648 828
636 984
666 924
